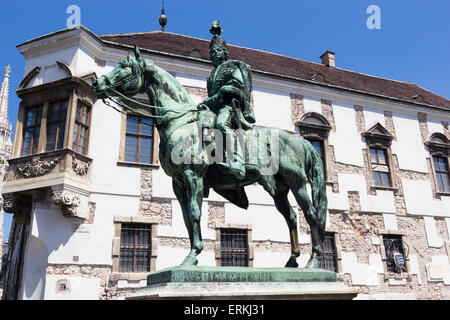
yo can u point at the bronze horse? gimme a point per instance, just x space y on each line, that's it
177 117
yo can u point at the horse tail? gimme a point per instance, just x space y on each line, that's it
315 173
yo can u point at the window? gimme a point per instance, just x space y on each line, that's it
233 247
318 145
81 129
327 259
139 139
395 253
135 248
379 157
56 125
380 168
442 173
315 128
439 147
31 130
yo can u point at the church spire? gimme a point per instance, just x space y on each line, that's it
4 91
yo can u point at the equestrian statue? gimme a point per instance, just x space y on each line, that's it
217 145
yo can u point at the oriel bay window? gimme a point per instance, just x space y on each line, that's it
56 125
53 116
81 128
31 130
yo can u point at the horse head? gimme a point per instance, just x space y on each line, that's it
127 77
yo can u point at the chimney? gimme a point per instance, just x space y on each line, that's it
328 59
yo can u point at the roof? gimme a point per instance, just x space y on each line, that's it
284 66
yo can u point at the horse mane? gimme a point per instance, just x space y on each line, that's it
171 87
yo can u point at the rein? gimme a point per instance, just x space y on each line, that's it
124 105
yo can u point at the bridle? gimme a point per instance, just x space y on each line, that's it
137 71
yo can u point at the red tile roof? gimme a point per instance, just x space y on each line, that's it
285 66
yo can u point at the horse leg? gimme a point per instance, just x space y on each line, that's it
301 195
193 182
180 193
284 207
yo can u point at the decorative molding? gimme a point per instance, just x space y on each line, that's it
11 203
79 167
37 167
68 201
65 67
30 75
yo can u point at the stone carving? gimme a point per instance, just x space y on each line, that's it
11 204
68 201
79 167
37 167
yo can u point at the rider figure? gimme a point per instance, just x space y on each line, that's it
229 89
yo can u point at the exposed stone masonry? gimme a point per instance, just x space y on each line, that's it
297 107
327 112
389 123
216 213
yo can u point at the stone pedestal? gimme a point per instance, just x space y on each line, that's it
238 283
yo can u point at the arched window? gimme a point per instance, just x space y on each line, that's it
315 128
439 147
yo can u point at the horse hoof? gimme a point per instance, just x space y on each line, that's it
189 261
312 264
292 263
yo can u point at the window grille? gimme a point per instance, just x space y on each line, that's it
135 248
394 246
327 260
233 247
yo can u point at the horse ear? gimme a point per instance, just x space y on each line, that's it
137 54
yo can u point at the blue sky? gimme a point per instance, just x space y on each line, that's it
412 45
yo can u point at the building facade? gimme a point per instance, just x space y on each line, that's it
94 213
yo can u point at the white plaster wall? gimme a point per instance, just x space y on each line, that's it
80 288
104 144
312 104
390 221
419 199
362 274
266 103
169 257
178 228
435 125
93 244
433 239
270 259
34 270
372 116
63 54
383 202
346 140
409 141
